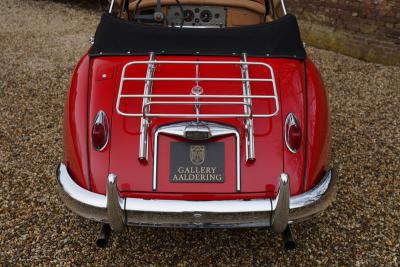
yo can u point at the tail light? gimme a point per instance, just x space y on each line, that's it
100 131
293 133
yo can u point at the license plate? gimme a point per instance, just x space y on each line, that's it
197 162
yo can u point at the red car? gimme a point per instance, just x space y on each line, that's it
199 114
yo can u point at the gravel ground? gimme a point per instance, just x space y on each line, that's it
39 44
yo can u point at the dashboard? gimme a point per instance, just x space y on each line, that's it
190 14
197 16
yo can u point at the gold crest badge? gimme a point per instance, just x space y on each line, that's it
197 154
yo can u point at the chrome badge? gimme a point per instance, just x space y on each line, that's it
197 90
197 154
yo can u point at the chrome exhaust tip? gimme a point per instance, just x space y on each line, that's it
102 239
288 239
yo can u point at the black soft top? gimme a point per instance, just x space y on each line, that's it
280 38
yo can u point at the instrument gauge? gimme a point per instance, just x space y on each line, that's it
206 16
189 15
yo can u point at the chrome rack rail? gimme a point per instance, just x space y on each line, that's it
197 98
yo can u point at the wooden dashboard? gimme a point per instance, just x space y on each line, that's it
210 13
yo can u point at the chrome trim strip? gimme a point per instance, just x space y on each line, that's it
179 129
181 206
280 205
201 214
155 160
238 169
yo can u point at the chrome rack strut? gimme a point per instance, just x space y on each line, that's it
283 7
197 90
145 120
249 126
111 6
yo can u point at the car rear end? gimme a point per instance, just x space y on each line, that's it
196 140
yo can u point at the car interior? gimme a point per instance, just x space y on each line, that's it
199 13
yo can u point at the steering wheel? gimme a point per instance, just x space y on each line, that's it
158 16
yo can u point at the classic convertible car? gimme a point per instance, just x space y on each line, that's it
198 114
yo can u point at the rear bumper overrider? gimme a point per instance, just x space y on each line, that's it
118 212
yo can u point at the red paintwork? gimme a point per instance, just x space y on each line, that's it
293 101
259 180
75 123
101 98
319 134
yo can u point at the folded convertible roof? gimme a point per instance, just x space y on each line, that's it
280 38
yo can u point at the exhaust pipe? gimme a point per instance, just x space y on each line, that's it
288 240
102 239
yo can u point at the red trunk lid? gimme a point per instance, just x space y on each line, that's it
137 177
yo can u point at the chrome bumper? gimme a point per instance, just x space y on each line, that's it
119 212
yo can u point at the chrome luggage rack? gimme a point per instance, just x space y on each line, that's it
197 98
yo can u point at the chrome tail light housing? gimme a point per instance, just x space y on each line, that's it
100 131
293 134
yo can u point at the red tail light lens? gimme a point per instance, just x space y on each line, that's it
100 131
293 135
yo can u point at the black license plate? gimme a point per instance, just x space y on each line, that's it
197 162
